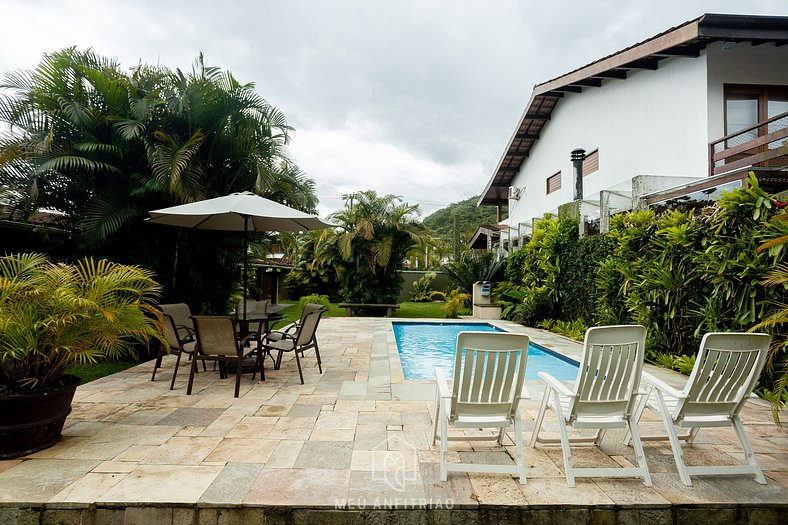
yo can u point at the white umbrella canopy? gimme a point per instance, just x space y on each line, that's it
242 212
237 212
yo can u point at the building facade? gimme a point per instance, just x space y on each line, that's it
647 119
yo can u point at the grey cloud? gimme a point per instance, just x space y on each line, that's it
441 82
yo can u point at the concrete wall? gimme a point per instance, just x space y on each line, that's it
440 283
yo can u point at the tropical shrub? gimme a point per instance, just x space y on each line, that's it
778 352
455 301
682 363
314 259
366 251
422 288
580 265
53 315
105 145
313 299
538 267
472 267
511 298
679 273
572 329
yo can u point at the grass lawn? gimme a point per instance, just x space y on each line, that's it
424 310
406 309
88 373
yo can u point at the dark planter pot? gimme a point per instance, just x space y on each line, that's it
33 422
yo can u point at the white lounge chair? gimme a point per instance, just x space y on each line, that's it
603 397
725 372
489 369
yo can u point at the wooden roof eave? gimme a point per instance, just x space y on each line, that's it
643 51
686 40
528 113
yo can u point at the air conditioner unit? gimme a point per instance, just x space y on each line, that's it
514 193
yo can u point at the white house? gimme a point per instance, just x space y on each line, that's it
649 119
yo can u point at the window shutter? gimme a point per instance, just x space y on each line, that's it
554 183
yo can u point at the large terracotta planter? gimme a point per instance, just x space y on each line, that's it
33 422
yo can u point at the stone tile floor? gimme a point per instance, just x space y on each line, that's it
356 436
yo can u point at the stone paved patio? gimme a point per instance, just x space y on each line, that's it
357 439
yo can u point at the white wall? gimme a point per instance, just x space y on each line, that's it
744 64
654 122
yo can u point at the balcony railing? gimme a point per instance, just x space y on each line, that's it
763 145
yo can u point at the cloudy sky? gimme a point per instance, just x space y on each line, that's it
415 98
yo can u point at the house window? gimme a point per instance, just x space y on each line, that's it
554 183
745 106
591 163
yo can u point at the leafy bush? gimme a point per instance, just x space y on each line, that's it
679 273
685 364
573 329
664 360
537 305
54 315
314 265
580 264
455 301
314 299
422 288
778 276
472 267
524 304
546 324
510 297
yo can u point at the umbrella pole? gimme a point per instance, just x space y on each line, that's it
246 249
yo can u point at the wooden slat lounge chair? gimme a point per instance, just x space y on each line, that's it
489 369
602 397
725 372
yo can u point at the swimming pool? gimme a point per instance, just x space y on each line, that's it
425 346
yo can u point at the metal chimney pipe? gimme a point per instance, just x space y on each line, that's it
578 156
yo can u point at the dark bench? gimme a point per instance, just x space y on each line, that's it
361 306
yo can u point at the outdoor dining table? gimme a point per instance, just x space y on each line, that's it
242 323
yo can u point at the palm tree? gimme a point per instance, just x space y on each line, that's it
375 235
777 352
105 147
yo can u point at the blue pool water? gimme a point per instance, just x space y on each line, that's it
425 346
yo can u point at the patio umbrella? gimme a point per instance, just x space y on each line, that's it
244 212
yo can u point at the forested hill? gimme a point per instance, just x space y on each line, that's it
470 217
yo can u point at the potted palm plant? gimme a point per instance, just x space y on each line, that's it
53 315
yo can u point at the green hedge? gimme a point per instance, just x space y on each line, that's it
679 273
